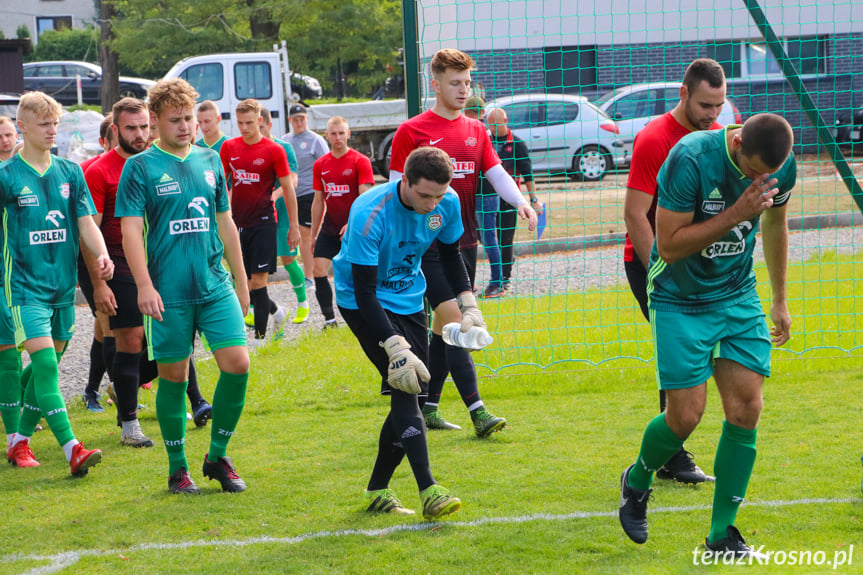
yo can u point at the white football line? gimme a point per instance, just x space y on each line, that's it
60 561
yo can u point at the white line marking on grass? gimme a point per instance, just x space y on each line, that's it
60 561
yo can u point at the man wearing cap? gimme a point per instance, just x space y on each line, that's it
474 108
308 147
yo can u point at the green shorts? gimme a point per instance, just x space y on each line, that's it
7 326
284 222
32 321
220 321
686 344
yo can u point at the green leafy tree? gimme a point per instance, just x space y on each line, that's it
68 44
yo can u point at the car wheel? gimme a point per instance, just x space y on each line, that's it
590 164
128 93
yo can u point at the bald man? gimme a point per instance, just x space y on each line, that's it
8 138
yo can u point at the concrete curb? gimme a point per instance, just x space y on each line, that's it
842 220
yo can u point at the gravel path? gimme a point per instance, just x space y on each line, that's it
560 272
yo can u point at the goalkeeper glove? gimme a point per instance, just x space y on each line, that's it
404 366
470 314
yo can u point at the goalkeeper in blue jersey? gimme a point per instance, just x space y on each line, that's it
714 190
379 291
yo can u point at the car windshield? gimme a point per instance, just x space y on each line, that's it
609 95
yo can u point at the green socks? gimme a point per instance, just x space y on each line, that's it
735 458
228 401
298 280
171 412
657 446
48 397
10 389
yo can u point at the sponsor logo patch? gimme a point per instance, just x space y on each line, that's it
712 207
462 169
723 249
29 200
337 189
189 226
244 177
168 189
40 237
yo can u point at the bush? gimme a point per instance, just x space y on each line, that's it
70 44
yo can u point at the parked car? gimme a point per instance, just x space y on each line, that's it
632 107
9 105
565 134
306 87
58 79
848 129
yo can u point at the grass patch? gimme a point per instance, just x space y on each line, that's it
308 436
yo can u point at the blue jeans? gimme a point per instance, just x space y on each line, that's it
486 216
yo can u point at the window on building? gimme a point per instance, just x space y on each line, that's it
45 23
754 59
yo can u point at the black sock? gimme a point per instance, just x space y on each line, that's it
661 400
324 293
193 391
438 368
148 370
97 367
109 350
261 301
390 454
410 429
463 372
126 373
273 307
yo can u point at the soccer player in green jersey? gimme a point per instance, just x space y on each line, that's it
177 225
46 211
208 120
713 191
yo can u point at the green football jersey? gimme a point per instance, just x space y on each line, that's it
292 155
699 177
178 199
217 147
40 227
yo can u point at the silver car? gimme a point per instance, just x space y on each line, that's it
565 134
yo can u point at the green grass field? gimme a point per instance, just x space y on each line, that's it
539 497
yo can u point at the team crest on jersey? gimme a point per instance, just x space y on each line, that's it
304 145
64 191
434 222
348 172
210 177
258 162
470 141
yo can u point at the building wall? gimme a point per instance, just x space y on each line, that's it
14 13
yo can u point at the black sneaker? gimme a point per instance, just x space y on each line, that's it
225 473
682 468
91 400
181 482
203 413
633 509
734 544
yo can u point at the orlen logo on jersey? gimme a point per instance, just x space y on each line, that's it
190 226
244 177
723 249
55 236
462 169
337 189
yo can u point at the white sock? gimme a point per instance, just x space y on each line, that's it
68 447
18 438
9 438
304 304
474 406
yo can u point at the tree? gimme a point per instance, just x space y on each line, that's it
67 44
110 90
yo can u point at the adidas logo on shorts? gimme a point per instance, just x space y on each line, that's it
411 432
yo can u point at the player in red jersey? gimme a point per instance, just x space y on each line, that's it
701 99
468 144
256 166
339 177
106 140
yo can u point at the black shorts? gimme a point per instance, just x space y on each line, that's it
636 275
438 289
86 284
304 209
414 329
126 294
258 244
327 245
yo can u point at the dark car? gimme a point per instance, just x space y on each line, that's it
848 129
58 79
306 87
9 105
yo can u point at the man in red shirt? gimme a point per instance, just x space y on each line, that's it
701 99
339 177
106 140
253 164
468 145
